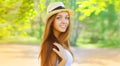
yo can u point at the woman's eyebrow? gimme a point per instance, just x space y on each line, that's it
68 16
59 15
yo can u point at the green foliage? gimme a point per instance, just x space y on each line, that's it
102 20
94 22
42 5
16 16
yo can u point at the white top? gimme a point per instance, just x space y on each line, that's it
70 59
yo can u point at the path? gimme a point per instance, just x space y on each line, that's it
26 55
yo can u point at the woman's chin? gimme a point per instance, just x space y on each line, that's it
63 30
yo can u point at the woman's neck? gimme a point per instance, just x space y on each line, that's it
56 33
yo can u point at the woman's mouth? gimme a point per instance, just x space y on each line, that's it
63 26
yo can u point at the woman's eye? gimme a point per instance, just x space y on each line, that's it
67 18
58 18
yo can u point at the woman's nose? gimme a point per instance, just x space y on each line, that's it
64 20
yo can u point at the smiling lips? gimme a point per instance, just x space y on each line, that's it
63 26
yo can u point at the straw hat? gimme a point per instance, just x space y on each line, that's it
56 7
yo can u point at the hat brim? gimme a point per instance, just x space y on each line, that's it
58 11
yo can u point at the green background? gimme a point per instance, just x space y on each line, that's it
95 23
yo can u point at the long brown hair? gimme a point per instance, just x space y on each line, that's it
47 55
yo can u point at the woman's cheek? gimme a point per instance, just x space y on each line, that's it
68 23
58 21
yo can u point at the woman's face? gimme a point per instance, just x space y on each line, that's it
61 22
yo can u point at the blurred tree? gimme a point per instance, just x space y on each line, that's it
19 18
93 20
101 17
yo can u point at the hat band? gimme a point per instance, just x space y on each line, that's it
57 8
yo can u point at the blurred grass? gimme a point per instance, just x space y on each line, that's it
25 40
112 43
98 45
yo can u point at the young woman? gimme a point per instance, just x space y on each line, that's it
55 47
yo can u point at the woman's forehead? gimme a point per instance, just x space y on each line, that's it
64 13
